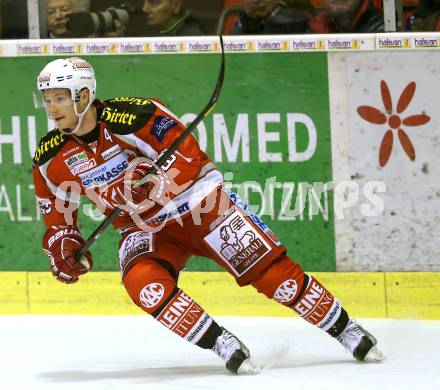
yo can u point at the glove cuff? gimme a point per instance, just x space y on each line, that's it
55 233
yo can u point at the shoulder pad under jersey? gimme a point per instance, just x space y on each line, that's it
49 146
126 115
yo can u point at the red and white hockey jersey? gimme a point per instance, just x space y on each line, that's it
65 166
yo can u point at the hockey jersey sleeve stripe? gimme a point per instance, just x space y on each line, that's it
57 190
164 109
47 194
205 169
52 187
191 197
136 142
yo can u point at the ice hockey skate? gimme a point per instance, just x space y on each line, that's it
360 343
235 354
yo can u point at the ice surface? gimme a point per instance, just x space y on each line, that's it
133 352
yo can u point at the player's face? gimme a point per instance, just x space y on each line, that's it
160 13
57 10
59 107
258 8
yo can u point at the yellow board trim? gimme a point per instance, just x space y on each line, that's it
368 294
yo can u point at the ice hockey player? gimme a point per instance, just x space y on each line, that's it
100 149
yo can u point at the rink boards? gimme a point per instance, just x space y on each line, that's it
369 295
288 119
287 133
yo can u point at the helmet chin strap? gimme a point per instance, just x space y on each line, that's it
80 118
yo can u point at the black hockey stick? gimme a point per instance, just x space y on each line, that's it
165 156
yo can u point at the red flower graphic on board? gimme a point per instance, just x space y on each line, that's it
394 121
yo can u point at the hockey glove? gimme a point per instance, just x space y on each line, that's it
140 193
136 198
60 243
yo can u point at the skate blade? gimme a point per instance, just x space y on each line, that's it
374 355
248 368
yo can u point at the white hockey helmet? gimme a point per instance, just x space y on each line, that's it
72 73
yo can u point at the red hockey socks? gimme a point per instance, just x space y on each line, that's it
185 317
286 282
151 284
319 307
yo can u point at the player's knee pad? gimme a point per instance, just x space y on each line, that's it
150 285
283 281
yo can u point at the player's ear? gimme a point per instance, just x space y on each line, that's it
84 96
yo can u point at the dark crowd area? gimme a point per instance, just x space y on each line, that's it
145 18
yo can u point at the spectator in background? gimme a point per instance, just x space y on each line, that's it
169 17
57 11
162 18
57 15
271 17
348 16
427 16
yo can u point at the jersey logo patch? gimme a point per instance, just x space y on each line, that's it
49 147
45 206
113 115
151 295
185 317
105 173
238 243
161 125
134 245
76 159
111 152
85 166
286 291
